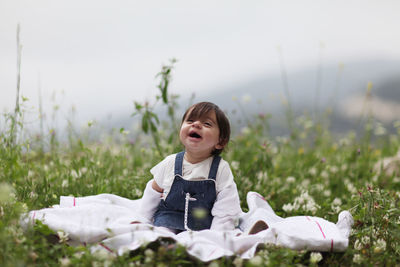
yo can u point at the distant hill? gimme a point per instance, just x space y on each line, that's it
338 86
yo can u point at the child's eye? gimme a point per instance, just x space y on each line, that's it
208 124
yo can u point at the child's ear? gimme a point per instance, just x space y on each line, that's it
219 146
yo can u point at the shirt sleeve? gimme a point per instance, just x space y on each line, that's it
159 171
226 209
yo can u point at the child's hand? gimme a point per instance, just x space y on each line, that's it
157 188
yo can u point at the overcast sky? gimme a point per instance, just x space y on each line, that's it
105 54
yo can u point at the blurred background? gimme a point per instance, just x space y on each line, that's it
88 61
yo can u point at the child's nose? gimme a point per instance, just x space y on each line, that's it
197 124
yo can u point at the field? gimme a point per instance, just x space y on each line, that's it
309 172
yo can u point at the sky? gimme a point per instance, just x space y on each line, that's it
99 56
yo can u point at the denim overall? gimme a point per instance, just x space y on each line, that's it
188 204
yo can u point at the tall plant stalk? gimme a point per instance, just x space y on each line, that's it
14 119
289 110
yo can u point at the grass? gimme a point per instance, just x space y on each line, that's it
310 172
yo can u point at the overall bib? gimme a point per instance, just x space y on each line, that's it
188 204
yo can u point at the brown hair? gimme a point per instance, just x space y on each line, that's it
200 109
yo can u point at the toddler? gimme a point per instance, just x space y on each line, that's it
195 189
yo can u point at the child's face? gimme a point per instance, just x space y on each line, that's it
201 135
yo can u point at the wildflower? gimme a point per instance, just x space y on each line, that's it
323 160
33 255
337 202
214 264
324 174
334 169
358 245
75 174
288 207
64 183
63 237
380 245
65 262
312 171
290 179
365 240
327 193
357 258
256 261
149 253
238 262
315 257
235 165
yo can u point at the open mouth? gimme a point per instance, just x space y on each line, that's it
194 135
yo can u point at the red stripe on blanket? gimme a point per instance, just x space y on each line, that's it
319 226
331 244
104 246
74 202
212 253
260 196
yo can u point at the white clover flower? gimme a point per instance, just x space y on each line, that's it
333 169
256 261
343 167
319 187
63 237
313 171
337 201
287 207
335 206
75 174
149 253
235 165
324 174
305 183
380 245
358 245
214 264
365 240
315 257
238 262
327 193
65 262
290 179
357 258
64 183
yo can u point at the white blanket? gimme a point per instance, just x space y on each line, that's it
114 224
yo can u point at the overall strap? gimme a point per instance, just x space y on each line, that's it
214 167
179 163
